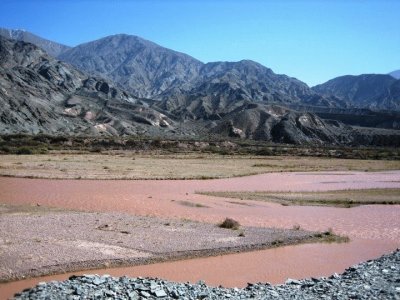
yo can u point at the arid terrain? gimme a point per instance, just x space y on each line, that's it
341 198
131 222
39 241
130 165
253 144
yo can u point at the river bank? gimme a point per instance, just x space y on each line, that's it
376 279
37 241
373 229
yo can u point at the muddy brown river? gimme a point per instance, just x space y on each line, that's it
373 229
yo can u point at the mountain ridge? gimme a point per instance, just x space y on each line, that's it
40 94
52 48
373 91
142 67
148 70
395 74
238 99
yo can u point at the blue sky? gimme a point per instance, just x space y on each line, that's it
308 39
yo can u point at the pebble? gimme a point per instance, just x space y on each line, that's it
376 279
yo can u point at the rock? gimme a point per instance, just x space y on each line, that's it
98 281
160 293
292 281
144 294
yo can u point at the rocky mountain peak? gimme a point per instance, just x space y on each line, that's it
140 66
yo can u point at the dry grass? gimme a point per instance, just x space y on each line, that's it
342 198
127 165
330 237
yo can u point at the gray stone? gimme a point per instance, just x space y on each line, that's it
144 294
160 293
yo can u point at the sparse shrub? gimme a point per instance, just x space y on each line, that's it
205 177
265 152
229 223
277 242
5 149
24 151
329 236
157 143
42 150
241 234
58 139
296 227
95 150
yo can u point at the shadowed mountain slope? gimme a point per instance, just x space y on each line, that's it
224 86
373 91
39 94
281 125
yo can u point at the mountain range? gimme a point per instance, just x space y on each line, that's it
52 48
40 94
395 74
124 84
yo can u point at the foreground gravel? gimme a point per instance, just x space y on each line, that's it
375 279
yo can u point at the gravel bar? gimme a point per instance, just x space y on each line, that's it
41 241
374 279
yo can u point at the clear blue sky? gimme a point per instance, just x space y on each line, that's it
313 40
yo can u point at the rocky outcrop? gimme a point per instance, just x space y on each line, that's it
281 125
360 117
39 94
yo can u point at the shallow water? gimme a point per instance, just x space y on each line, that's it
236 270
373 230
